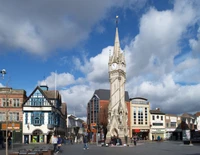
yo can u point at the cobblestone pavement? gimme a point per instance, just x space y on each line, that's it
142 148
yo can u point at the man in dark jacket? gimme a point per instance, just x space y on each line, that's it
85 142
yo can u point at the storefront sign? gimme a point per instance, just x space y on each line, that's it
144 130
11 126
158 131
140 130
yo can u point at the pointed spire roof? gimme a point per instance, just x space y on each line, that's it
116 51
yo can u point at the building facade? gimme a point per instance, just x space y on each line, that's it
42 116
140 118
173 127
11 101
157 124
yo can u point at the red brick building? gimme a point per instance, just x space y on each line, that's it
11 101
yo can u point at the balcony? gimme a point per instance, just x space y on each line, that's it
50 126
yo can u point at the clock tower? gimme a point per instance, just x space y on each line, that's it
117 109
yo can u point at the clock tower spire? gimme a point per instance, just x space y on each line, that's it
117 109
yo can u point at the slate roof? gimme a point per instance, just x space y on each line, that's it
157 112
51 94
104 94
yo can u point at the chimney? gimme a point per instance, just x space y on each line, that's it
158 109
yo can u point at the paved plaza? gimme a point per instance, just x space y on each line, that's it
143 148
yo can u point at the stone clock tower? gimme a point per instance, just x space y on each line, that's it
117 109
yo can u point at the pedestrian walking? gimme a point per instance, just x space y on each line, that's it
85 142
9 141
54 142
59 144
135 140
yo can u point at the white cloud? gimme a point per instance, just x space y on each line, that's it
171 97
60 80
77 98
40 27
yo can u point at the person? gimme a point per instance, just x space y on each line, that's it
135 140
2 141
85 142
9 141
59 144
54 142
152 137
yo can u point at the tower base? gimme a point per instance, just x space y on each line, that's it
124 139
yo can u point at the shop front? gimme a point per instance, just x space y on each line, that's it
37 136
158 134
13 130
143 134
173 134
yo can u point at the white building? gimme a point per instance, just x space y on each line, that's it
139 117
42 116
75 128
157 124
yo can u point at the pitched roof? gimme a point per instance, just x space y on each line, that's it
157 112
42 91
187 115
51 94
104 94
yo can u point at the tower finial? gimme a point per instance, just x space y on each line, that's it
117 21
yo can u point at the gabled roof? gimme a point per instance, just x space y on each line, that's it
42 92
104 94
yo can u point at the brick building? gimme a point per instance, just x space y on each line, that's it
11 101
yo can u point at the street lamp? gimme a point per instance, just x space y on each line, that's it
3 72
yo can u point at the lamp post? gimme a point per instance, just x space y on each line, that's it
3 72
13 125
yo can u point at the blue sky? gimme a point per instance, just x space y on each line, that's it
71 41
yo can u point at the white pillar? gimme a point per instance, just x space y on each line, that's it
45 139
29 137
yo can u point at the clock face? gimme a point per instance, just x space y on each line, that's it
114 66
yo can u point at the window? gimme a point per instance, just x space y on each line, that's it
140 115
16 102
173 124
26 118
146 116
134 115
161 117
37 118
167 125
2 116
153 117
157 117
5 102
157 124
